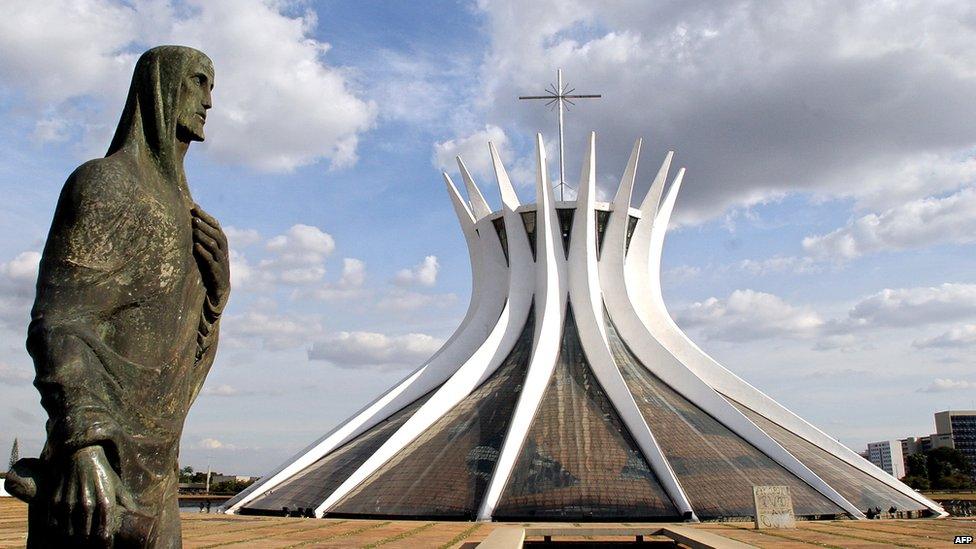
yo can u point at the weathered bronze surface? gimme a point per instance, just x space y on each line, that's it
124 328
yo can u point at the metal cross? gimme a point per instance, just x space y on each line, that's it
559 95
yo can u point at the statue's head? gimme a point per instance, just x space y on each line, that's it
194 101
167 103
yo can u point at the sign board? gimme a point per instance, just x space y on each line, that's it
774 507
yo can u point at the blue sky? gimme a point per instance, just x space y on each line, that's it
823 241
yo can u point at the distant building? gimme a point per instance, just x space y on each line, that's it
912 445
888 456
216 478
192 487
909 446
953 429
920 445
959 427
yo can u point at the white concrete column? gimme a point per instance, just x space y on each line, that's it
550 303
585 295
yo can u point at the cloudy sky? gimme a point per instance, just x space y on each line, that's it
822 247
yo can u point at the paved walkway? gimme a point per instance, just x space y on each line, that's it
235 532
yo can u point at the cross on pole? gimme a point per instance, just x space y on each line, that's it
559 95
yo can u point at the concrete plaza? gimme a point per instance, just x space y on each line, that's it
202 531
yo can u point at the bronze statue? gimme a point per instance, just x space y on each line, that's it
124 328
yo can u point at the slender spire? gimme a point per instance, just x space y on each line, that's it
479 207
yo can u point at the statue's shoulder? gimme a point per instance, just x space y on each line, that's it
102 186
100 207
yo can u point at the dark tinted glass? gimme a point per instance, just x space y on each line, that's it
565 216
602 218
528 219
631 225
312 485
716 467
858 487
502 236
578 461
445 471
964 439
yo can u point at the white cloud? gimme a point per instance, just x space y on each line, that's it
748 314
277 104
214 444
301 275
333 292
349 285
284 107
400 300
22 269
353 273
54 51
243 275
50 130
417 88
915 224
298 256
843 342
473 150
241 238
370 349
17 279
896 181
913 306
221 391
271 331
944 385
758 99
423 274
960 337
294 259
10 375
681 273
793 264
302 244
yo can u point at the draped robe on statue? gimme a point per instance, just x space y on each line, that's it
123 332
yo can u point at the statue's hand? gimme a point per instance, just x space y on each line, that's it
211 251
83 503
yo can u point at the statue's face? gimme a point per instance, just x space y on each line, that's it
195 101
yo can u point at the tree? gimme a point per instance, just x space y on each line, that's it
917 472
939 469
186 474
949 469
915 465
14 453
230 486
917 482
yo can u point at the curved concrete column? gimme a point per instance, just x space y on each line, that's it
489 287
479 207
585 295
662 363
637 255
647 295
550 304
493 349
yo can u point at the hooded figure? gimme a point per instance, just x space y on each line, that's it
124 328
